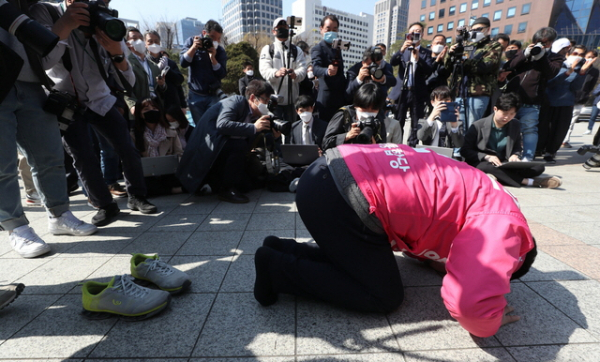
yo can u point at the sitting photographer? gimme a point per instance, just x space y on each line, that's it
361 122
437 130
207 61
85 80
217 152
496 139
153 137
370 69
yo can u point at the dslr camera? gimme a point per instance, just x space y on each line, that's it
369 127
104 18
536 50
340 44
64 106
206 42
414 37
374 70
277 124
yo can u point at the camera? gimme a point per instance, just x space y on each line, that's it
206 42
278 124
537 49
294 21
414 37
29 32
63 105
593 161
462 35
369 127
374 70
105 19
340 44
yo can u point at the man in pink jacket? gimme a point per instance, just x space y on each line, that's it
362 202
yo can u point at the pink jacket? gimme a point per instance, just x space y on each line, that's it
436 208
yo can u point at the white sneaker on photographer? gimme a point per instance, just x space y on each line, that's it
27 243
68 224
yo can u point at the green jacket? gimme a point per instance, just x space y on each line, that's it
141 88
481 68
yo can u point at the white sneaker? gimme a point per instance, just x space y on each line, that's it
68 224
33 200
589 131
25 241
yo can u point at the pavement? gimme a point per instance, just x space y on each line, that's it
219 320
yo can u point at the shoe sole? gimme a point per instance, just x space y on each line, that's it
18 292
93 315
72 233
29 203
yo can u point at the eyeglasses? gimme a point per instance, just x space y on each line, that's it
478 29
577 54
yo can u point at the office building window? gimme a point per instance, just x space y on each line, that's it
452 10
430 30
508 29
485 15
525 9
511 12
432 2
522 27
460 23
499 1
495 31
442 1
422 18
441 13
432 15
487 2
440 28
423 4
497 15
450 25
463 8
475 4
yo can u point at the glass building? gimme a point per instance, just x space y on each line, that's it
579 20
249 16
186 28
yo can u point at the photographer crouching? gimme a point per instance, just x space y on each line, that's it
361 122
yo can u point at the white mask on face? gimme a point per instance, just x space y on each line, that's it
573 59
306 117
250 73
437 49
216 44
174 125
154 48
138 46
363 115
263 108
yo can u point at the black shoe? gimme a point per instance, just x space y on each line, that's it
233 196
263 288
549 159
106 215
139 203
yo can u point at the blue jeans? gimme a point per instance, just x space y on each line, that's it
474 111
23 123
529 115
199 104
593 117
109 160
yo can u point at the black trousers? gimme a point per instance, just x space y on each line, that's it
229 169
512 177
554 123
408 100
352 266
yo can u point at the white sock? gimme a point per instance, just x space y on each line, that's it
529 182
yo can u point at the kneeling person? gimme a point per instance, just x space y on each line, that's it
433 131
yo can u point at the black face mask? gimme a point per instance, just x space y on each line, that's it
152 116
511 53
283 33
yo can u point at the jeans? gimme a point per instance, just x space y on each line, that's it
474 111
528 115
35 132
109 160
593 117
199 104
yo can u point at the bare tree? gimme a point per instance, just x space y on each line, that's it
258 39
166 28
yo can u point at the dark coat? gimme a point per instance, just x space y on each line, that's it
423 71
475 147
338 127
332 90
174 93
353 85
318 132
534 76
243 83
219 122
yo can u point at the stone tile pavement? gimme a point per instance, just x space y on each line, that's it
219 320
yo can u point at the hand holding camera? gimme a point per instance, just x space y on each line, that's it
263 123
353 132
332 70
111 46
75 16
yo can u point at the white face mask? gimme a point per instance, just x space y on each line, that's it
154 48
573 59
363 115
250 73
216 44
263 108
478 36
310 75
138 46
437 49
306 117
174 125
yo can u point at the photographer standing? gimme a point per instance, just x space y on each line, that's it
81 71
371 69
275 69
207 61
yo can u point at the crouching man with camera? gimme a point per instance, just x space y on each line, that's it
24 124
362 122
82 71
218 150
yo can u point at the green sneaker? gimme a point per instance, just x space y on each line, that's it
121 296
151 269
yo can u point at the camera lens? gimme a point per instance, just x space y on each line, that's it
115 29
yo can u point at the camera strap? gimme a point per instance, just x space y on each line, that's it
128 88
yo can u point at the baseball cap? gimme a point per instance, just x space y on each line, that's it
277 21
559 44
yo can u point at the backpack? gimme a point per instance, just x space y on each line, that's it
294 51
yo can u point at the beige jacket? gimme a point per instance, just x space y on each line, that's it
170 146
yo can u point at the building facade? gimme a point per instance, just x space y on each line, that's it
390 21
249 16
579 20
357 28
186 28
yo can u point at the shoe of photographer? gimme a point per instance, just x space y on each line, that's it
551 182
117 190
106 215
167 278
139 203
549 158
68 224
27 243
566 145
10 292
233 196
587 132
33 200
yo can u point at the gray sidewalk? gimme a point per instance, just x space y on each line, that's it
219 320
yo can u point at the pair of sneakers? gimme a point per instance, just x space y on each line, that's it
28 244
123 297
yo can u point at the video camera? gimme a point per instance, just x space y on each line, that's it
462 35
278 125
340 44
104 18
414 37
374 69
369 127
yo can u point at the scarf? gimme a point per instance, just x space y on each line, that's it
154 139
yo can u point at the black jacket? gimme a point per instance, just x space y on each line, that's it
353 85
423 71
243 83
475 147
332 90
317 132
338 127
534 75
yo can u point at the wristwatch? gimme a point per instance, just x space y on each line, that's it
117 58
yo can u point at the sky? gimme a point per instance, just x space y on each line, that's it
203 10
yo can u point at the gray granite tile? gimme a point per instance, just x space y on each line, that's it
423 323
60 275
118 265
166 243
229 208
172 223
17 267
559 353
577 299
225 222
415 273
135 360
302 235
276 203
206 272
284 197
460 355
196 206
323 329
299 224
366 357
98 245
551 214
246 359
268 222
59 332
129 222
239 326
583 231
538 322
169 334
22 311
211 243
240 276
546 267
253 239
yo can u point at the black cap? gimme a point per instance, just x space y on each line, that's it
483 20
